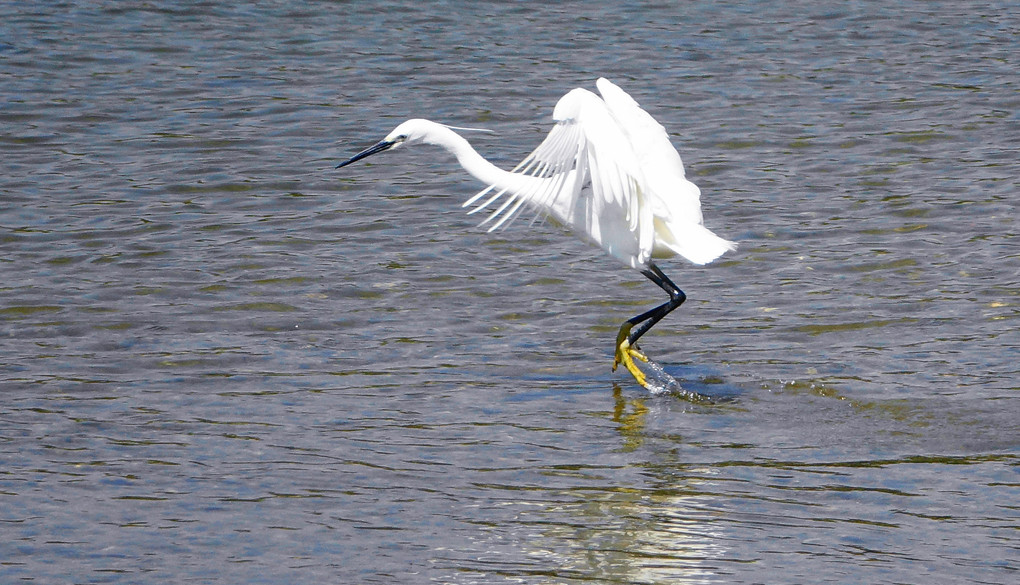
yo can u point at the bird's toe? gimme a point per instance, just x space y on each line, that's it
625 354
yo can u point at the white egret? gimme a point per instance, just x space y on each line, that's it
608 171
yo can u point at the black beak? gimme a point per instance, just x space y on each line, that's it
379 147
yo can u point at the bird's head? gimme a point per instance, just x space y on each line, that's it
409 132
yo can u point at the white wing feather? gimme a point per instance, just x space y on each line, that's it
675 201
587 147
672 193
609 172
551 162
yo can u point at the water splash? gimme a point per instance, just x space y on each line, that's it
660 382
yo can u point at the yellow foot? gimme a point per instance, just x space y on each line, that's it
625 354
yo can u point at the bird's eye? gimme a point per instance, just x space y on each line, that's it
401 138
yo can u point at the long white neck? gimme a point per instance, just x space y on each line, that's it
474 163
542 194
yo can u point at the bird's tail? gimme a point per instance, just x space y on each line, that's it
694 242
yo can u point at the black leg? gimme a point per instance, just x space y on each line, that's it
632 329
649 318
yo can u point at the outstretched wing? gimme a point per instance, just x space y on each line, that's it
585 175
675 201
671 194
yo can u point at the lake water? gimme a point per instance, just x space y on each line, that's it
224 361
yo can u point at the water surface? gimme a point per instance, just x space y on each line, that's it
225 362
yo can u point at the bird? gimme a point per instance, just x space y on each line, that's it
608 172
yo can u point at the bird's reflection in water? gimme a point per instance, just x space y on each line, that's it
629 413
663 531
